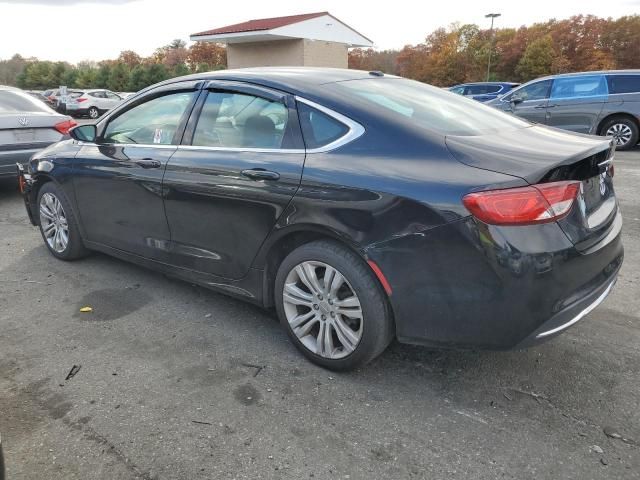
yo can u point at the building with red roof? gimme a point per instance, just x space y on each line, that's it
312 39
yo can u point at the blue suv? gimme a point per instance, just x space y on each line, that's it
483 91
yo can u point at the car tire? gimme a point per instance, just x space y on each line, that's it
93 113
624 130
58 224
351 315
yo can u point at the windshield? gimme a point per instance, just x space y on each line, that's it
430 107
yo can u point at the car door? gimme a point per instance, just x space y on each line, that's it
576 102
118 179
529 101
226 186
98 98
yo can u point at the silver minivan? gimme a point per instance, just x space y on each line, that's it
597 103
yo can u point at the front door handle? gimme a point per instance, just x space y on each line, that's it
260 174
148 163
540 106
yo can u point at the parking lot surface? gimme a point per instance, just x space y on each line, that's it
178 382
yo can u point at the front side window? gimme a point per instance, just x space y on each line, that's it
459 90
534 91
318 128
579 86
112 96
624 83
239 120
153 122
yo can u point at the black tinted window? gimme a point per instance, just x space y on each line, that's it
151 122
427 107
318 128
16 101
534 91
238 120
624 83
482 89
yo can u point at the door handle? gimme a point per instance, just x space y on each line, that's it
148 163
540 106
260 174
552 105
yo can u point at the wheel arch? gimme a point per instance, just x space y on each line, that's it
617 115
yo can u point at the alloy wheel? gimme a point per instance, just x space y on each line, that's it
620 132
322 309
54 223
93 113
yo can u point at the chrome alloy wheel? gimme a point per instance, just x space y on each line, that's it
322 309
620 132
54 222
94 113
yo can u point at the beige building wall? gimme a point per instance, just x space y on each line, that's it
297 52
318 53
265 54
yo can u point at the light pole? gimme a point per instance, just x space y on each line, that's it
491 16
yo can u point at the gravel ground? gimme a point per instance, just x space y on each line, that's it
177 382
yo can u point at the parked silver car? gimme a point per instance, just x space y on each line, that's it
27 126
598 103
91 103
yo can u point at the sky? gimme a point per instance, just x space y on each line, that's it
76 30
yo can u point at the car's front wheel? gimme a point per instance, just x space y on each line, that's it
623 130
332 306
58 224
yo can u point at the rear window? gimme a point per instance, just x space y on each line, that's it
624 83
429 107
18 102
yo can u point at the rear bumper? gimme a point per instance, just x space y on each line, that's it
469 285
570 316
9 158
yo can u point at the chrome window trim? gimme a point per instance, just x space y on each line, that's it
579 317
355 129
143 145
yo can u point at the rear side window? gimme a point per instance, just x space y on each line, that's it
482 89
318 128
239 120
579 86
17 102
97 94
533 91
624 83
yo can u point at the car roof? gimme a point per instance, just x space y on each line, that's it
593 72
288 79
486 83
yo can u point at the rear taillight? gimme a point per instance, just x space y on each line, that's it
542 203
80 100
65 126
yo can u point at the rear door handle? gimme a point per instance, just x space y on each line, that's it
552 105
148 163
260 174
540 106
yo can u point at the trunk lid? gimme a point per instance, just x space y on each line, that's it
541 154
27 130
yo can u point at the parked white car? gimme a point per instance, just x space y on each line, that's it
91 103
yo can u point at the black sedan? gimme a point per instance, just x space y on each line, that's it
363 207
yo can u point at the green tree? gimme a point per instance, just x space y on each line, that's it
86 77
118 77
102 76
137 78
180 70
156 72
538 59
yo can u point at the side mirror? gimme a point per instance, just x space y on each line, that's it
84 133
516 100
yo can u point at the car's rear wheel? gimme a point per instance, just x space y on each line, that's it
93 113
58 225
623 130
332 306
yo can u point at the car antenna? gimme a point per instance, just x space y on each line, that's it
376 73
